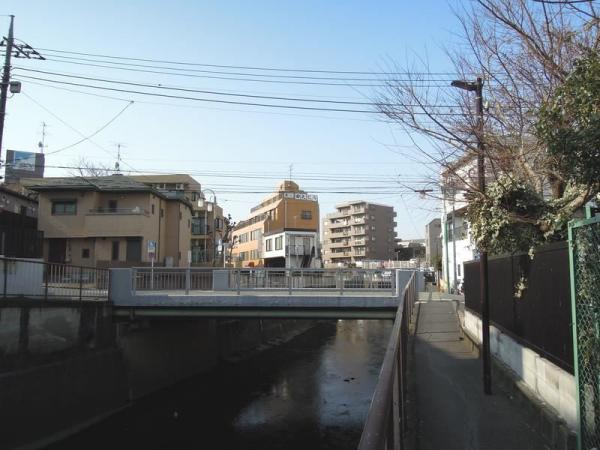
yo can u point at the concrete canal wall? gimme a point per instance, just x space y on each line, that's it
65 365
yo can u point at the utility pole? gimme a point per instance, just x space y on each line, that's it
6 78
18 51
483 258
477 87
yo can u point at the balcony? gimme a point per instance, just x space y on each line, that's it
345 232
136 210
200 229
340 254
339 224
115 223
337 215
359 231
339 244
358 242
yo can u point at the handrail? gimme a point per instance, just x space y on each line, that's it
381 430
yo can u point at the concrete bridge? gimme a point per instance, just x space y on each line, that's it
257 293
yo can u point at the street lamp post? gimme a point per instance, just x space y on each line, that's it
208 206
477 87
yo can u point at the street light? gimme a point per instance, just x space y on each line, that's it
208 207
477 87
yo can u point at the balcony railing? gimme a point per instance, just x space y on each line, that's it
200 230
136 210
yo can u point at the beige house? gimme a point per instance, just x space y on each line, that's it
108 221
281 231
358 231
208 222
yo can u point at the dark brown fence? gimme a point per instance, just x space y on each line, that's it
19 236
541 318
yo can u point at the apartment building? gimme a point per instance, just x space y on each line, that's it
281 231
208 221
358 231
108 221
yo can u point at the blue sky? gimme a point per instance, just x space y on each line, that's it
212 140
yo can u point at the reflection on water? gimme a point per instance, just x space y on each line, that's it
313 392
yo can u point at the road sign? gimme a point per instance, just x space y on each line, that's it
151 249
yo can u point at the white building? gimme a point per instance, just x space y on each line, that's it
457 245
299 248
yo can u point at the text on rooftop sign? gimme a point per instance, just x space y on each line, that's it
300 196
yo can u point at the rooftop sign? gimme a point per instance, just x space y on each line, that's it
301 196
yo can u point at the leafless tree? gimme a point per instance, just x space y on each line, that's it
523 49
86 168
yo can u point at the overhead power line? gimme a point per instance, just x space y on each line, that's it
383 76
229 102
423 83
261 68
203 91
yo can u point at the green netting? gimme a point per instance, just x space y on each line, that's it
585 257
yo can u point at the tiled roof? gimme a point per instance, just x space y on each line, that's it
111 183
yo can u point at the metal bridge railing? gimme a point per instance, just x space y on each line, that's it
263 279
41 280
341 280
172 278
386 422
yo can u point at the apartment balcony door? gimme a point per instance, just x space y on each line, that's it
133 251
57 250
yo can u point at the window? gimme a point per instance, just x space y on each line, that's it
306 214
114 254
254 254
112 206
243 238
255 234
243 256
152 208
279 243
85 252
269 245
64 207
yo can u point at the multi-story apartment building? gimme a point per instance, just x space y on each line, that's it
108 221
358 231
282 231
433 242
208 222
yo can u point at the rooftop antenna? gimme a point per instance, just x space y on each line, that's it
291 169
42 143
118 162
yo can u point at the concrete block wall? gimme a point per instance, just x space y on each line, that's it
551 384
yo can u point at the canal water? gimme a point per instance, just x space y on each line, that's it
312 392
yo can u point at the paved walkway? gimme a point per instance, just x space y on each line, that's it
453 412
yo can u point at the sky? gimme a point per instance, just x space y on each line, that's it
240 152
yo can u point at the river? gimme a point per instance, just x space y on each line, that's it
312 392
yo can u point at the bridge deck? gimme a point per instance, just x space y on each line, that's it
260 303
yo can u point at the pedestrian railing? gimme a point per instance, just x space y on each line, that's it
172 278
40 280
263 279
386 422
342 280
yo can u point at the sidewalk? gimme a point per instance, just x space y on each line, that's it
453 412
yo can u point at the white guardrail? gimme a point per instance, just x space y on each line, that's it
253 279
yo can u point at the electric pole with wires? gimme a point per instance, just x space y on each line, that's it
17 50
